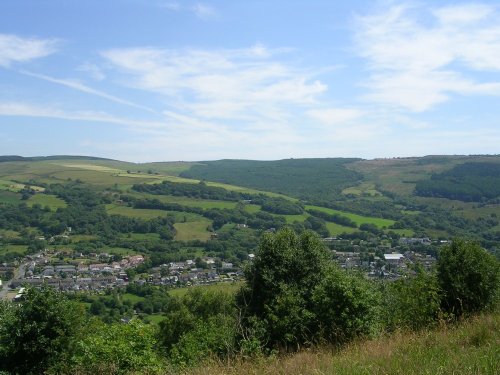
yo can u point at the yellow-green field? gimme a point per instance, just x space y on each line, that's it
336 229
358 219
189 202
196 230
364 189
9 197
141 213
226 287
46 200
19 249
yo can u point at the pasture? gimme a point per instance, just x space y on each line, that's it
358 219
46 200
196 230
140 213
8 197
225 287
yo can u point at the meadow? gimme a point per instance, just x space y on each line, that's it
46 200
358 219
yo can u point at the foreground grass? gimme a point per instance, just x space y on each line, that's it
471 347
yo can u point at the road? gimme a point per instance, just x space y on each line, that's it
18 272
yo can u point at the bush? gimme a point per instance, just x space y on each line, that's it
117 349
412 303
299 297
469 277
38 332
346 306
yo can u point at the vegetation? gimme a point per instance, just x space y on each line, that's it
466 182
330 176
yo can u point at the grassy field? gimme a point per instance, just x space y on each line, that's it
189 202
364 189
46 200
336 229
18 249
229 288
9 197
196 230
469 348
141 213
358 219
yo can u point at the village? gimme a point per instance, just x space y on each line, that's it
70 271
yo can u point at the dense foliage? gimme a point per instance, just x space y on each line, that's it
327 176
39 332
467 182
468 276
295 296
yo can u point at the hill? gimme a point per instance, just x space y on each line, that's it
299 178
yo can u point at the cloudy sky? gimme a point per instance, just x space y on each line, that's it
160 80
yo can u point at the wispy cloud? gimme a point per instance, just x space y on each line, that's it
419 57
93 70
200 10
76 85
22 109
203 11
16 49
241 84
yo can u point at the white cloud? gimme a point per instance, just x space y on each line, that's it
92 70
200 10
420 57
333 116
240 84
203 11
33 110
76 85
17 49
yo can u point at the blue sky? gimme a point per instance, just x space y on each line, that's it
160 80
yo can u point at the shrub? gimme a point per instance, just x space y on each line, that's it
346 306
469 277
300 298
38 332
412 303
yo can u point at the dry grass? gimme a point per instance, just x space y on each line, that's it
472 347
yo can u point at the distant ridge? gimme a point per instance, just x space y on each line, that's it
7 158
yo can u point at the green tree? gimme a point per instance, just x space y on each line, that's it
469 277
295 296
38 332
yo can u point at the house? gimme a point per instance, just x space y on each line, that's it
393 258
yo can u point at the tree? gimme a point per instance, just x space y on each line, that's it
38 332
469 277
296 296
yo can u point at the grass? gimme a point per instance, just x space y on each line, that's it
364 189
18 249
196 230
46 200
189 202
471 347
229 288
358 219
142 236
336 229
8 197
132 298
140 213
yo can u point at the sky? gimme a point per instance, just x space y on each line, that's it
161 80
